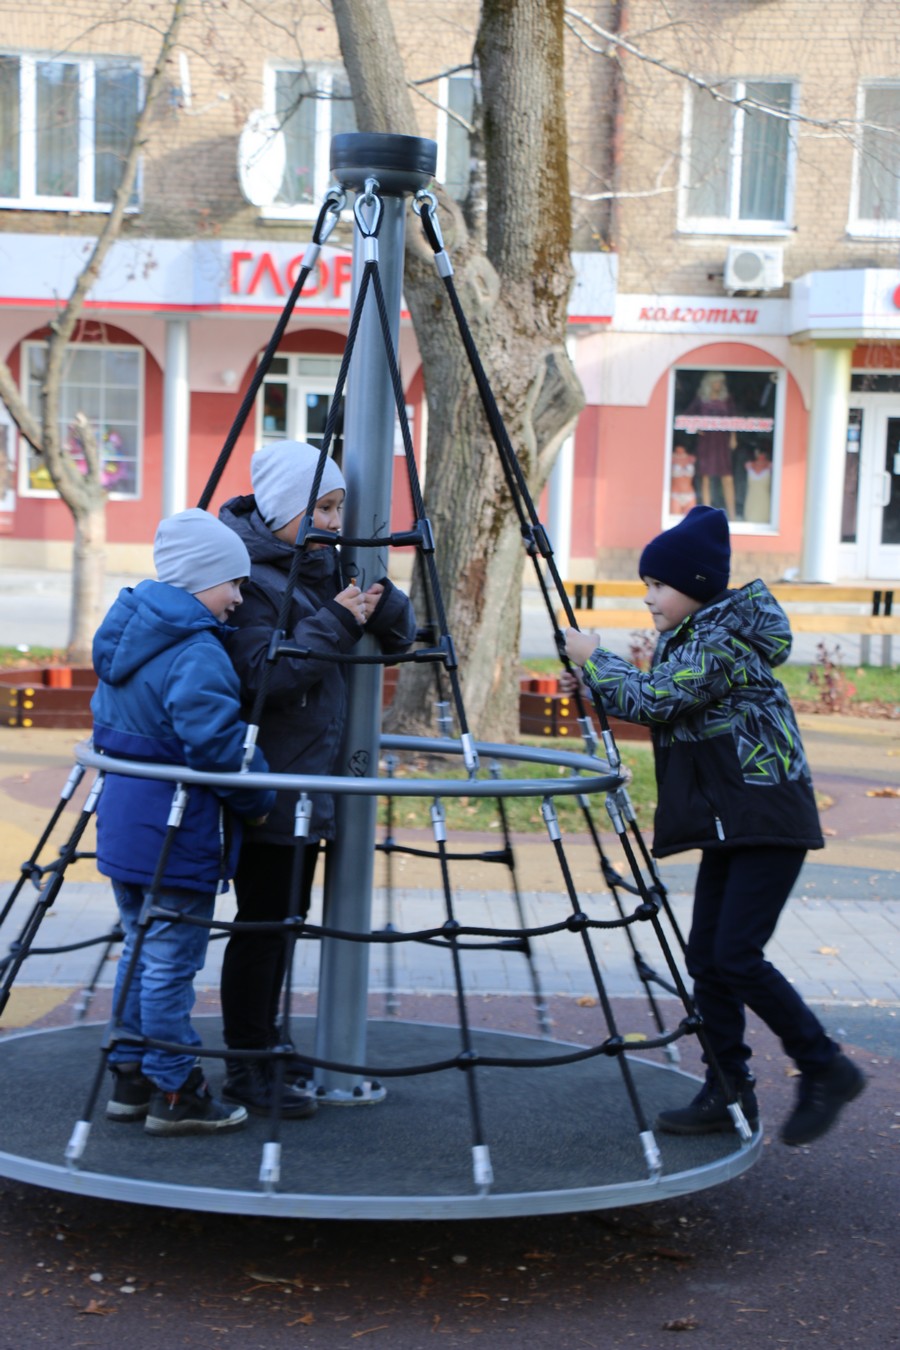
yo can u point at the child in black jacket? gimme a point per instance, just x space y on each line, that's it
301 726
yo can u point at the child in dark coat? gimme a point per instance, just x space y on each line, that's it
302 723
168 694
732 781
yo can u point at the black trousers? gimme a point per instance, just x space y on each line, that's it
253 966
739 896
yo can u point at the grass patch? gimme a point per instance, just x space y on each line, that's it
13 657
871 684
523 814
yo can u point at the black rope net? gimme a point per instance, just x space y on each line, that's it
633 899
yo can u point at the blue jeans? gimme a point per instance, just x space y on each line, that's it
161 992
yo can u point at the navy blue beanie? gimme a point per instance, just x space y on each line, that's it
694 557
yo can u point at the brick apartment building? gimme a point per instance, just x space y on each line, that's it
736 315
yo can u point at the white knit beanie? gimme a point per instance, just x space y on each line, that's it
282 474
193 551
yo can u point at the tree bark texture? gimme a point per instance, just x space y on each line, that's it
514 294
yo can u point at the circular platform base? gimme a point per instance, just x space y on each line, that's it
560 1139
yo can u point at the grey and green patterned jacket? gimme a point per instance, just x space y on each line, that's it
730 766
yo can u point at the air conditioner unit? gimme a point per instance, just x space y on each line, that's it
753 269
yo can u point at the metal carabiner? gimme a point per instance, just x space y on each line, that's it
330 214
425 205
422 196
369 199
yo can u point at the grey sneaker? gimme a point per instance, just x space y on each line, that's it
131 1093
191 1110
820 1099
708 1113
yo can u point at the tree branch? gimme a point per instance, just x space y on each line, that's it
19 410
842 126
64 325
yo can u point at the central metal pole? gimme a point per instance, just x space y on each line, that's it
399 165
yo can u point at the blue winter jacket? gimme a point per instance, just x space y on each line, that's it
168 694
302 724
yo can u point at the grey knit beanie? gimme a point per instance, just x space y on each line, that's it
193 551
282 474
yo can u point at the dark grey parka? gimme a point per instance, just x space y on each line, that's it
306 705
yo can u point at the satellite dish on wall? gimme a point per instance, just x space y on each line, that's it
262 156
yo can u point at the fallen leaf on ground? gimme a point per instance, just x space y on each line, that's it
95 1308
883 792
681 1324
829 951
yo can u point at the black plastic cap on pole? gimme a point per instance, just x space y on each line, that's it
401 164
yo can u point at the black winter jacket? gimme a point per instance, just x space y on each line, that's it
730 766
306 704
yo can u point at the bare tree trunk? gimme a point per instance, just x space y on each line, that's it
88 570
514 295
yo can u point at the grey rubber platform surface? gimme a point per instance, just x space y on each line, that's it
561 1139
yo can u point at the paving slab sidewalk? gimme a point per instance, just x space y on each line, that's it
839 938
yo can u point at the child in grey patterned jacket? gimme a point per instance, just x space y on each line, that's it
732 781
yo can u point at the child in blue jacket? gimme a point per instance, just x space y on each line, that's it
168 694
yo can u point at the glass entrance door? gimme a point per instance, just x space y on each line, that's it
883 532
870 520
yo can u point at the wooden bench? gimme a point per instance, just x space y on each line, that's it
595 605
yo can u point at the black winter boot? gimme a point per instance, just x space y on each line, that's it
708 1113
820 1099
252 1083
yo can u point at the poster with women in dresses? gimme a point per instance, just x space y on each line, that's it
722 442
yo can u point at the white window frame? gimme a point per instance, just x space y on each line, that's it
863 227
24 485
443 119
298 384
29 199
324 74
734 223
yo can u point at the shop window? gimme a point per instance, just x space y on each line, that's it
312 105
457 104
739 158
65 130
725 445
875 208
105 384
